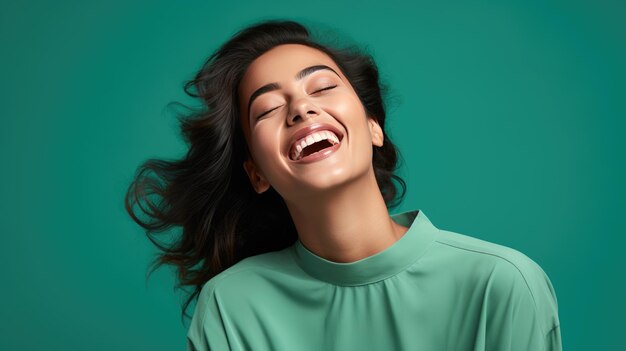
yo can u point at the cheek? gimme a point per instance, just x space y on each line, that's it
345 106
349 111
265 143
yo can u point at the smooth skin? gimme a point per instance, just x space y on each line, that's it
335 202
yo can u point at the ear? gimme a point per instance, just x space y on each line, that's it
258 181
376 131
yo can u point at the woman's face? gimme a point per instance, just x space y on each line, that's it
294 101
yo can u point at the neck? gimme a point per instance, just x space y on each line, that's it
346 224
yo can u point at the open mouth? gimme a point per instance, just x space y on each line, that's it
315 144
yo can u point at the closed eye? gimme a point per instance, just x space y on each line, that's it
266 112
326 88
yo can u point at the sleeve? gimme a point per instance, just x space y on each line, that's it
553 339
208 329
522 311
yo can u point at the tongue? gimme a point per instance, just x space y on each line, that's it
311 149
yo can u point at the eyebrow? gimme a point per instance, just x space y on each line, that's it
275 86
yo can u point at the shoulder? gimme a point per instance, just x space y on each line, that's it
490 253
233 284
220 297
244 273
509 275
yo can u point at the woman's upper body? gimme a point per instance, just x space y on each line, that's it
290 175
431 290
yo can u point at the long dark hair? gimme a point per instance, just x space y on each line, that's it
207 193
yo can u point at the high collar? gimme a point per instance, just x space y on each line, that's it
382 265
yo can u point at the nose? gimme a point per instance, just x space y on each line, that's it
301 110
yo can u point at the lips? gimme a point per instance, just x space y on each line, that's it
310 134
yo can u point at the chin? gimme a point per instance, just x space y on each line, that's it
320 181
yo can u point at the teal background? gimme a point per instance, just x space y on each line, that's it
509 115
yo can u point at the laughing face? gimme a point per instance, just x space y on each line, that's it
305 126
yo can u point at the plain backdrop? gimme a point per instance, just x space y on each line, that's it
509 116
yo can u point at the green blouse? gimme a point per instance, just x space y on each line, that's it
430 290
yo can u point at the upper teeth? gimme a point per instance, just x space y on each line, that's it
311 139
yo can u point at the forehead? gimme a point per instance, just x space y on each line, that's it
280 64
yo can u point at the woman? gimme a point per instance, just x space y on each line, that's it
283 201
